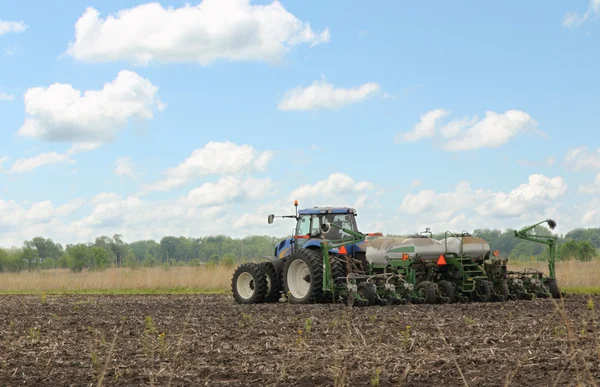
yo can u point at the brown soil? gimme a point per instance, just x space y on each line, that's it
211 340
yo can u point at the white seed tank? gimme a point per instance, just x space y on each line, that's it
378 249
473 247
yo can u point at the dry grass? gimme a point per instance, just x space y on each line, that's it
144 280
572 276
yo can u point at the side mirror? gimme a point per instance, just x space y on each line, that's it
325 227
270 219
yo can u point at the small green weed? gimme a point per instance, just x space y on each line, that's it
375 380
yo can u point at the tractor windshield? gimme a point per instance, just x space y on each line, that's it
346 221
310 225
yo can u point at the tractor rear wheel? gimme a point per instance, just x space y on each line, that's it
338 270
249 284
273 283
303 277
426 291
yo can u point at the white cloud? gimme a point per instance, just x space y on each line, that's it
83 147
538 193
10 51
323 95
214 158
491 131
204 33
11 27
332 188
229 189
533 197
29 164
591 213
415 184
573 19
61 113
19 218
471 133
125 167
424 128
6 97
581 158
592 188
238 206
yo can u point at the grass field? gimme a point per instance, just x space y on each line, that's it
573 276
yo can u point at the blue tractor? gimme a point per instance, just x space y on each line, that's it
297 267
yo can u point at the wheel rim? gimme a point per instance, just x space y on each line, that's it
297 274
245 285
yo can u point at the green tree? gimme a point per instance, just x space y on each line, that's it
80 257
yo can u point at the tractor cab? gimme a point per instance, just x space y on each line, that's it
310 220
308 232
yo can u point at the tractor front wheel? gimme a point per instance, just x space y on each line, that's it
249 284
303 277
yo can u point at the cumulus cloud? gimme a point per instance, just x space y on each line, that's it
29 164
335 184
591 213
125 167
6 97
424 128
581 158
323 95
229 189
538 194
214 158
574 19
203 33
469 133
7 26
62 113
16 216
108 213
491 131
592 188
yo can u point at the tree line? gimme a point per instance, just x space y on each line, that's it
43 253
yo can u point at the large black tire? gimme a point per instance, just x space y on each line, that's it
445 292
483 291
338 270
553 288
274 285
249 284
304 265
426 292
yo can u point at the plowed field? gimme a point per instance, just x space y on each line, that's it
210 340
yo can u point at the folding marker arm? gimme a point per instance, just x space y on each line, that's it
543 239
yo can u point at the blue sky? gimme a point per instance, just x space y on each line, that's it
450 115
